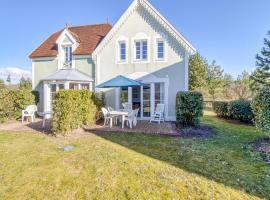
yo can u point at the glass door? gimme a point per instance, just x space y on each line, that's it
159 93
146 100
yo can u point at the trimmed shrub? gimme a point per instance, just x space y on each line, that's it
12 102
72 109
241 110
36 96
261 108
189 108
221 108
22 99
6 105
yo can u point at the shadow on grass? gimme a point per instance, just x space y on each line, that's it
220 158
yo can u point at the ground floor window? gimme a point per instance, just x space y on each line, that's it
74 86
85 86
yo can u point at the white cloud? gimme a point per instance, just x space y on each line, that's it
15 74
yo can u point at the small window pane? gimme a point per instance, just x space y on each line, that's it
145 50
73 86
138 50
160 50
85 86
61 86
68 56
123 51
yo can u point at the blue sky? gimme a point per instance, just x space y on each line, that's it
229 31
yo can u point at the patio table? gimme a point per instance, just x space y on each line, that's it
119 113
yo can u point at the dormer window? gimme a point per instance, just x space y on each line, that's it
68 57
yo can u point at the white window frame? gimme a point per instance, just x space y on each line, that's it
137 38
67 64
141 50
61 43
120 51
156 41
119 41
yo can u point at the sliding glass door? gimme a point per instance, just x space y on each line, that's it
146 100
159 93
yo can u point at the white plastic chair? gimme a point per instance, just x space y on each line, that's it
110 109
30 111
135 120
158 115
130 118
127 106
107 117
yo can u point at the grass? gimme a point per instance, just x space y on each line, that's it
134 166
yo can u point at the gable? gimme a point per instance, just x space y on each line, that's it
154 18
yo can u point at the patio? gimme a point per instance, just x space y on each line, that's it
167 128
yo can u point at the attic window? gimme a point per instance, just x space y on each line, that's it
67 57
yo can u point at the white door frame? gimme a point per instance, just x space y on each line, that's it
152 79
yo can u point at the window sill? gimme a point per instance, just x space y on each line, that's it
122 62
160 60
141 61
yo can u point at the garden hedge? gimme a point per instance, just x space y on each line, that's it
189 108
261 109
13 101
221 108
72 109
241 110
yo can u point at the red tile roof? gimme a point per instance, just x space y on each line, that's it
88 36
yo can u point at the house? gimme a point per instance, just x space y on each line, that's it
142 45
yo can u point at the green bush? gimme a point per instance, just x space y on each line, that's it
241 110
22 99
12 102
6 104
36 96
189 108
72 109
261 109
221 108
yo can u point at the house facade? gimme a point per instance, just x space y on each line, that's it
142 46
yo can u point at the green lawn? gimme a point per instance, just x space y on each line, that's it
134 166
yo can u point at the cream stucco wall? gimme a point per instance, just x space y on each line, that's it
141 22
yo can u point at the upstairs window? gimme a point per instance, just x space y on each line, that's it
141 50
122 51
160 50
68 57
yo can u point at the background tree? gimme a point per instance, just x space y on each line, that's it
25 84
241 86
197 72
214 79
8 79
261 76
227 81
2 84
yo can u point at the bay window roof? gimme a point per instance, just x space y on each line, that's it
68 75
